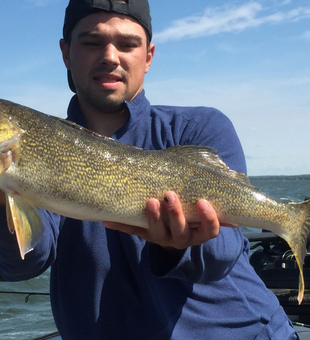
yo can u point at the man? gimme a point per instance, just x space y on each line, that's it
112 281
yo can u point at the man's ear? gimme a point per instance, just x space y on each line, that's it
65 50
149 57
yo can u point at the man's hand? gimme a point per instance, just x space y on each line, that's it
178 234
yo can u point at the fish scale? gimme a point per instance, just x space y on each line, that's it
59 166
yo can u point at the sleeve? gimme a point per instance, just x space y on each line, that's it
214 259
12 267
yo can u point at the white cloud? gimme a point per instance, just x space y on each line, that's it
228 18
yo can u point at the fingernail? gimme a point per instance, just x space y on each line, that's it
204 205
169 198
152 205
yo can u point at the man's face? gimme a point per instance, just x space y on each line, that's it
108 57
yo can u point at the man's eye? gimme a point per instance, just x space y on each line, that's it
90 43
128 46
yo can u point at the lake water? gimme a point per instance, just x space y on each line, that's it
21 320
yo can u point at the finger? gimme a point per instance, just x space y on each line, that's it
210 226
153 211
206 212
158 231
177 222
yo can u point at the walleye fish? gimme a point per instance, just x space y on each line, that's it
59 166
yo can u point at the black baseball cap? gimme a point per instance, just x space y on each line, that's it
78 9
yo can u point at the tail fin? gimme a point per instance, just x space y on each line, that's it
298 242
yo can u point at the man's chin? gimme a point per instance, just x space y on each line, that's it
107 104
104 100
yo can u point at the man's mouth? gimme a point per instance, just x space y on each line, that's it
108 81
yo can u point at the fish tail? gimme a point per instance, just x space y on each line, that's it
298 242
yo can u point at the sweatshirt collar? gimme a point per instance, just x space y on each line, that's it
139 107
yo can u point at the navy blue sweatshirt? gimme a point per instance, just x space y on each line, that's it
108 285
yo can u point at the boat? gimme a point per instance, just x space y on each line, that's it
275 264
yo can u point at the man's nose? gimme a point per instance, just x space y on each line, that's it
110 55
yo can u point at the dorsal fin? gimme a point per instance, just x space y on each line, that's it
208 156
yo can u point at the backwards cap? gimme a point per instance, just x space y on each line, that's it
78 9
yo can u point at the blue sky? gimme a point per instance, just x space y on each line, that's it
250 59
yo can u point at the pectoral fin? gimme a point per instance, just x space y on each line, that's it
9 152
5 161
25 220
